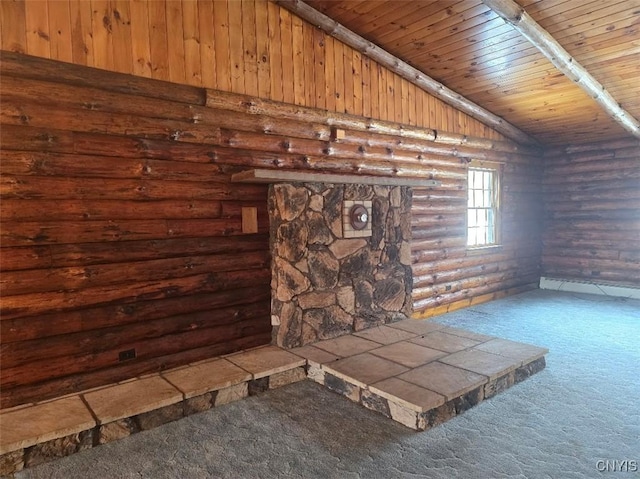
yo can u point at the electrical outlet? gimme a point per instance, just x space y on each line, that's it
126 355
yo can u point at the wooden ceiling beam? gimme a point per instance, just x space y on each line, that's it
405 70
516 16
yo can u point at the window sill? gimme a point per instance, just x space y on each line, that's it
478 250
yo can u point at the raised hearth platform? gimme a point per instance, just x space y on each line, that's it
418 373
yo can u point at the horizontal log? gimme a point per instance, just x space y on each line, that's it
564 252
610 266
59 188
470 150
42 303
259 106
221 128
592 186
223 155
421 195
436 232
455 207
96 166
593 146
45 325
620 278
475 300
36 233
54 388
422 256
25 257
514 267
617 195
593 205
20 209
595 226
24 66
555 172
582 243
467 283
599 214
81 277
601 235
206 128
423 221
99 347
85 254
446 298
632 171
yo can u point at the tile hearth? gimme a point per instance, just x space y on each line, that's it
417 373
420 373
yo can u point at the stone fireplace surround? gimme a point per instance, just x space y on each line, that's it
325 285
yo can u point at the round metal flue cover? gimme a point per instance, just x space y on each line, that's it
359 217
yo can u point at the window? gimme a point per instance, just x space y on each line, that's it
482 205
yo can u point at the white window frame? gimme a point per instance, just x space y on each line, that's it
483 205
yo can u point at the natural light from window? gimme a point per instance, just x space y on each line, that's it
482 207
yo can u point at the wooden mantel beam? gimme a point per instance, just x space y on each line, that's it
516 16
405 70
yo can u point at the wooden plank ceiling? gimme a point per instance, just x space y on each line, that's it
471 50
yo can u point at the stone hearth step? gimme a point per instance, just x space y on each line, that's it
36 433
417 373
420 373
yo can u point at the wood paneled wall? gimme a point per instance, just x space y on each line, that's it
242 46
121 229
592 200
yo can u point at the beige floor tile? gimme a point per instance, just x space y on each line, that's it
364 369
314 355
265 361
346 345
522 352
385 334
132 398
481 362
408 354
417 326
207 376
467 334
25 427
444 379
449 343
406 394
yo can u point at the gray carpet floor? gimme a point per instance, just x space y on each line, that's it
579 418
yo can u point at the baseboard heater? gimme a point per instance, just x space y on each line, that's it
575 286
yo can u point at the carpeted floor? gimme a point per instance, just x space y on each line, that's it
576 419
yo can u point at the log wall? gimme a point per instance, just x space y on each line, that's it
115 236
242 46
592 202
121 229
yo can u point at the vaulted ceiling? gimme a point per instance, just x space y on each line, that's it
470 49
